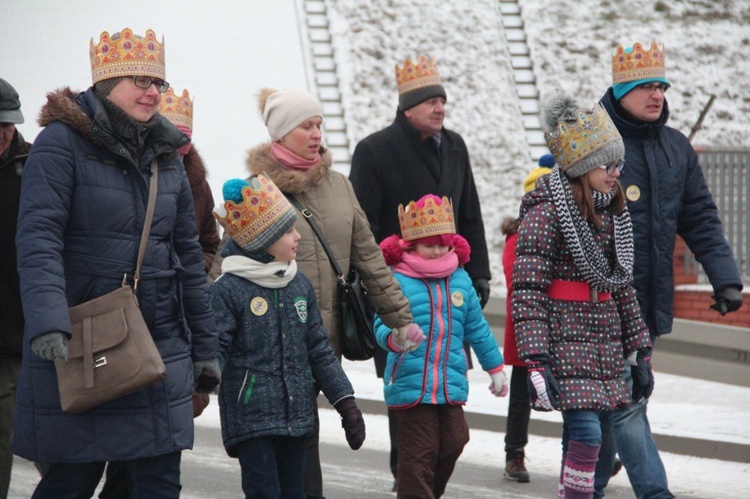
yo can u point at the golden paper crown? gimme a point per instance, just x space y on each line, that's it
421 74
431 219
127 54
637 63
264 208
178 110
592 130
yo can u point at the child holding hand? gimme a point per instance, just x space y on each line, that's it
425 376
272 344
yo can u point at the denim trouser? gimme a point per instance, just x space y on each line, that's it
273 466
634 443
585 426
155 477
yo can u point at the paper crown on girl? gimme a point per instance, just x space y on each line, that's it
430 216
178 110
572 142
637 63
255 212
125 54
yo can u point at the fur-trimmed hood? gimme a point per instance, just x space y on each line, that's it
260 160
84 113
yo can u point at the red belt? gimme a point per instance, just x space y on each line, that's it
575 291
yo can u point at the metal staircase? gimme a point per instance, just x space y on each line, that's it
523 74
322 79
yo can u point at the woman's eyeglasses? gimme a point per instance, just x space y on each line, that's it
610 168
146 82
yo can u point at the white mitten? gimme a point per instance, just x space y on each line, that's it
499 385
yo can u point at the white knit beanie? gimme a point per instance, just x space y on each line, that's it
283 110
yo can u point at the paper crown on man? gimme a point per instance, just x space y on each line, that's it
633 66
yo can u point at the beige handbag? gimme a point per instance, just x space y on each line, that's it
111 352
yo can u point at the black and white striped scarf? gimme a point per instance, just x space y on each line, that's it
587 253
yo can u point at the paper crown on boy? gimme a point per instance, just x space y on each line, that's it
126 54
418 82
255 213
632 66
579 139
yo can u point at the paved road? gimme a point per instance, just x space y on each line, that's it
209 473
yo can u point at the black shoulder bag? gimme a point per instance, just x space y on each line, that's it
357 335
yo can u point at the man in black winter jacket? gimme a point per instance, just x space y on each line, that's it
667 196
13 153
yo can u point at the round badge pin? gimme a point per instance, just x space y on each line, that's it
633 193
457 298
258 306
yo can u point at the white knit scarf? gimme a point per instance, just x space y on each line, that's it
587 253
271 275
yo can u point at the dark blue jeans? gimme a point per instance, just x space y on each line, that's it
273 467
155 477
634 443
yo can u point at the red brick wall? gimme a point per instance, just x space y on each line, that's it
694 305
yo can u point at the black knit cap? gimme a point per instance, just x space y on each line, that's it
418 95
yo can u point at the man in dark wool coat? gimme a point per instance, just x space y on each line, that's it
412 157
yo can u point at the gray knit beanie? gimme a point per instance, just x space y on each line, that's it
104 87
579 139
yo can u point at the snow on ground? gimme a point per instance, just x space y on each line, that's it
680 406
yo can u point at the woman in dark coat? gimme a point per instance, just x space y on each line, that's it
83 202
575 313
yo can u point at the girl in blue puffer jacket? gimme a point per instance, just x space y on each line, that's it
425 376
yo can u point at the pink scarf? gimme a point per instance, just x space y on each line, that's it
413 265
290 160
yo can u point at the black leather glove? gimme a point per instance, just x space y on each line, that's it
643 375
728 299
207 375
51 346
352 422
482 286
544 391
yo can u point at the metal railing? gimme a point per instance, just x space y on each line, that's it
727 172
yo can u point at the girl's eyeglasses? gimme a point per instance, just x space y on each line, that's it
615 165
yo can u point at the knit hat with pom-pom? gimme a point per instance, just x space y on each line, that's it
255 212
580 139
283 110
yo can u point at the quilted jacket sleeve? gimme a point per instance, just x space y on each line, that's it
532 274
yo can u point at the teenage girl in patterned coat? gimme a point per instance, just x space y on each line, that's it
575 312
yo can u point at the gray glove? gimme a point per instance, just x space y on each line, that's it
207 375
728 299
51 346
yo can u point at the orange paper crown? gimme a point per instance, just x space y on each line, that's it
431 219
178 110
592 130
418 75
127 54
262 206
637 63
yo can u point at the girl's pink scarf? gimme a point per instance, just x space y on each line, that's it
413 265
291 161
